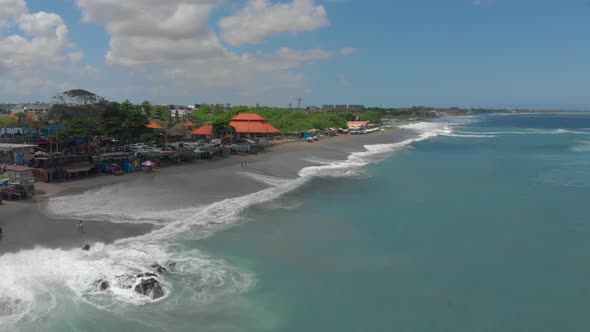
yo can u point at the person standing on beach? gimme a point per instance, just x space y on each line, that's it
245 164
80 227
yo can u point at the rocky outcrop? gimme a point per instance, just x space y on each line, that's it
172 265
150 287
145 283
145 275
102 285
159 268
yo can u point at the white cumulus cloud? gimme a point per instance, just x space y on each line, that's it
33 51
260 19
170 45
76 57
10 9
43 42
154 31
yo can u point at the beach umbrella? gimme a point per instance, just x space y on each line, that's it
147 164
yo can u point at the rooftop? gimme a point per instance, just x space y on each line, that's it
248 117
18 168
8 146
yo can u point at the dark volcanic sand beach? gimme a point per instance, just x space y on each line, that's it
26 224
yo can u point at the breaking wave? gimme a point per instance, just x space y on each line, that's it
528 132
469 135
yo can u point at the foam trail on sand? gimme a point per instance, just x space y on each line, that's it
320 161
266 179
128 207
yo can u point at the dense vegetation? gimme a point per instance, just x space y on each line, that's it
85 114
284 119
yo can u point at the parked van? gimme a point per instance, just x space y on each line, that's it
215 142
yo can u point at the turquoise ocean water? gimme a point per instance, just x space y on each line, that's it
484 225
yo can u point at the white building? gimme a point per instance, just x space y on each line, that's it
37 109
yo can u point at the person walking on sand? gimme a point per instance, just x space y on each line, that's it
80 227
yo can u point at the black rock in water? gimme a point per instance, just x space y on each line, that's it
159 268
146 275
150 287
102 285
86 247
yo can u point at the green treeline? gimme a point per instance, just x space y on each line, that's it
85 114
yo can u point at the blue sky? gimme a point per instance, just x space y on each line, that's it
502 53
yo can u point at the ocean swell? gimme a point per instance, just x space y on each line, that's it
35 274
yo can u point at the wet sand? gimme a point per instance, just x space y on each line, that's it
26 224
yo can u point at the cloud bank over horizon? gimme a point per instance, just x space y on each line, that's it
173 49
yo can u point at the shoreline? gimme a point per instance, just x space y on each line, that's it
27 225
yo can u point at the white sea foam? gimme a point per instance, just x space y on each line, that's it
33 274
582 146
266 179
320 161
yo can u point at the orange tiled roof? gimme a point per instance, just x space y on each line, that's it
206 130
253 127
154 125
248 117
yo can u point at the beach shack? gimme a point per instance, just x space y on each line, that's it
357 125
21 176
15 153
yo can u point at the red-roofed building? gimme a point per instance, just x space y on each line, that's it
206 130
154 125
252 123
